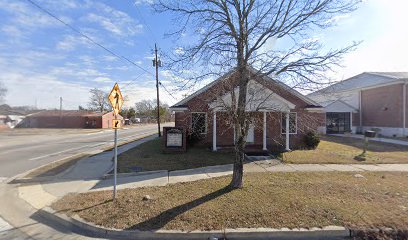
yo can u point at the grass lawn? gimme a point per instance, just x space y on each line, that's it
149 156
267 200
343 150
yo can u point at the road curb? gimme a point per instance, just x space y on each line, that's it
80 226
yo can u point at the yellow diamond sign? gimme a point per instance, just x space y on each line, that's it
116 99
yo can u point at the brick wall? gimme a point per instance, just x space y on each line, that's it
382 107
225 135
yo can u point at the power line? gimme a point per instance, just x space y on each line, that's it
100 45
138 12
161 84
87 37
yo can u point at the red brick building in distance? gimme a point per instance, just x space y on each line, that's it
280 115
68 119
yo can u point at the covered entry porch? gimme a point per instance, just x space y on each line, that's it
267 128
271 116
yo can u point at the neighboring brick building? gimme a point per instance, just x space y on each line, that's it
273 105
366 101
68 119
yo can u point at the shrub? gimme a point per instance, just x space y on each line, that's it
193 139
312 140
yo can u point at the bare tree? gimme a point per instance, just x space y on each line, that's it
148 109
145 108
238 33
98 100
3 92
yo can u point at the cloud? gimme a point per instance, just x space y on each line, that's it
79 72
141 2
179 51
109 58
12 31
114 21
103 80
26 89
71 42
384 48
25 18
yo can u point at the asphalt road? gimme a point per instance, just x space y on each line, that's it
24 149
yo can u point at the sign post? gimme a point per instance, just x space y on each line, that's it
116 100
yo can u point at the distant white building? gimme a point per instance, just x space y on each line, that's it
13 120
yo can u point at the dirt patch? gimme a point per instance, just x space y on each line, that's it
344 150
273 200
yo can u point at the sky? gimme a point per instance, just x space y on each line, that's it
42 60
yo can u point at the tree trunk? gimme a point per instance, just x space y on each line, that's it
238 171
241 130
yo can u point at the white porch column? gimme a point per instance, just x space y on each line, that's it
264 131
214 131
287 148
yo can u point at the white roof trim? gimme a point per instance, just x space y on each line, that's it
261 99
203 89
287 88
293 91
179 109
351 108
315 109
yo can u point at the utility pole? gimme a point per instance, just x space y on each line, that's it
157 64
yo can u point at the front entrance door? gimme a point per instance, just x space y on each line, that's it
338 122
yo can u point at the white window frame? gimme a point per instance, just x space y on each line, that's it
206 122
284 115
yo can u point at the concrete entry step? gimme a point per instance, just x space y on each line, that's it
258 156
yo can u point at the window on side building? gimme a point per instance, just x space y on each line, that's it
199 122
292 123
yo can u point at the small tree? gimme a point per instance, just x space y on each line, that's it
98 100
235 34
131 113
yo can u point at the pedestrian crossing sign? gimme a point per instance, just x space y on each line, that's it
116 99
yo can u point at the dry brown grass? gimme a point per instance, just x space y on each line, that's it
268 200
343 150
149 157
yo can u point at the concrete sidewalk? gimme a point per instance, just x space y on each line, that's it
377 139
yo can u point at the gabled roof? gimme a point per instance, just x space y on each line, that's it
201 90
338 106
364 80
253 70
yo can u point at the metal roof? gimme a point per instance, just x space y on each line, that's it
363 80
